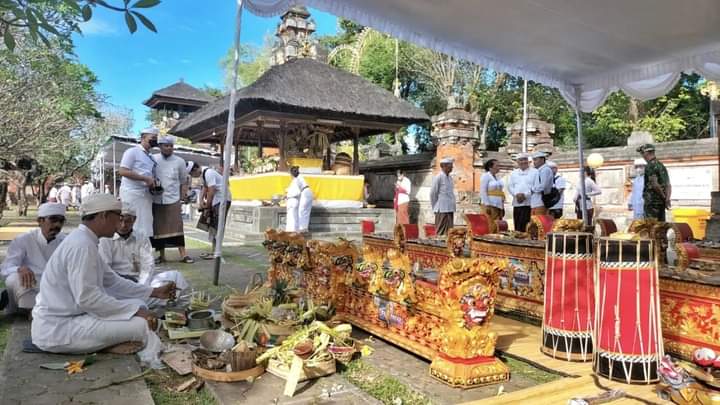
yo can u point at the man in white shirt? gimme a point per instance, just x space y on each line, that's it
442 197
299 203
53 194
74 312
210 199
27 256
542 185
560 184
132 258
137 169
167 208
403 186
520 187
65 194
86 189
76 196
637 203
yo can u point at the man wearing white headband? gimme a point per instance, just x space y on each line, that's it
167 207
131 257
442 197
519 186
74 312
27 256
636 204
137 169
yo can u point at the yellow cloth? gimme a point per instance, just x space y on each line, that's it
324 187
305 162
497 193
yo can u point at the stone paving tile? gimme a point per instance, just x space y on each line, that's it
268 389
22 381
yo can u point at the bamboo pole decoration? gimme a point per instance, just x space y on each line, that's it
230 132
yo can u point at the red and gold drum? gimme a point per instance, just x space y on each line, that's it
501 225
628 340
605 227
480 224
569 307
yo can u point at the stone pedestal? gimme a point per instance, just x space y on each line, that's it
454 134
712 229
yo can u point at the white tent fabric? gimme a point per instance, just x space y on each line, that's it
637 46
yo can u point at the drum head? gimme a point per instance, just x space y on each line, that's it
613 250
570 243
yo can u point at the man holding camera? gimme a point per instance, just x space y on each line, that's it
137 169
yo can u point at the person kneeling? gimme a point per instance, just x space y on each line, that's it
130 256
74 312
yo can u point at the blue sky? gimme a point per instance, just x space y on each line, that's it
192 38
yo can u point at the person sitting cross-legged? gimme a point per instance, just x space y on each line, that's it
130 256
75 312
27 256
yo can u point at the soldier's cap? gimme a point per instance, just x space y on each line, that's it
646 148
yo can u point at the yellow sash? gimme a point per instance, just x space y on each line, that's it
497 193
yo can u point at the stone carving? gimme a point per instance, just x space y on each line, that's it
539 135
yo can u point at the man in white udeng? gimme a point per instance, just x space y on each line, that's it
74 312
27 256
137 169
519 186
131 257
299 203
636 204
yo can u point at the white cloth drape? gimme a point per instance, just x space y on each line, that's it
592 29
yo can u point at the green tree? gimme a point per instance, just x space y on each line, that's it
57 19
254 61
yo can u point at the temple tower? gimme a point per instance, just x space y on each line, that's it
294 37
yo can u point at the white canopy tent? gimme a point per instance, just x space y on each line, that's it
585 48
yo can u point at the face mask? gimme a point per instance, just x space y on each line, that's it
639 171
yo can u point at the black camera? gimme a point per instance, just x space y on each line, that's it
156 189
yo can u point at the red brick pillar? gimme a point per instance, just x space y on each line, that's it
454 134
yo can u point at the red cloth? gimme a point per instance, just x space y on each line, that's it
398 190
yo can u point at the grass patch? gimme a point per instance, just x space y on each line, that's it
161 383
381 386
521 368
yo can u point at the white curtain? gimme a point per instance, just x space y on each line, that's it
642 82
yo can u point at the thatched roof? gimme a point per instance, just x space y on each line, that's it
179 91
309 88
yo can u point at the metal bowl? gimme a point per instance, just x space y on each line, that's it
200 320
217 341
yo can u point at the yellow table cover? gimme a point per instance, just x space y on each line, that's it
324 187
305 162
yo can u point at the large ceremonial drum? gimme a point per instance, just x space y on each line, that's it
628 335
569 296
540 226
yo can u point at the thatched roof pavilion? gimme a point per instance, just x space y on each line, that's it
297 95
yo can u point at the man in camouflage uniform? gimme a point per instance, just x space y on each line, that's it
657 190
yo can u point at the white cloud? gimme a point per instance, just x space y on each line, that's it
98 27
153 61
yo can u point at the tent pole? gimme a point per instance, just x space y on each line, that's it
524 127
114 171
581 157
229 135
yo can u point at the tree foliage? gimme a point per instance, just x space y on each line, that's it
254 61
47 20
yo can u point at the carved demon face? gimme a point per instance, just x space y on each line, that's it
344 263
476 305
393 277
366 270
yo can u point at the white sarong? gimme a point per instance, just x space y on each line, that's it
304 208
142 202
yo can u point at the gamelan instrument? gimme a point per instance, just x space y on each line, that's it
628 340
569 296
